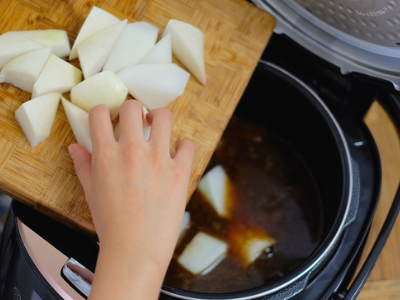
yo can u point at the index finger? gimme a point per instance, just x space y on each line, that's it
101 128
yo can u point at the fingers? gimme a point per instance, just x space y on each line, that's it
101 128
131 127
131 120
185 151
161 122
82 164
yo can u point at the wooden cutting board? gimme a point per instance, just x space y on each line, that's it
236 33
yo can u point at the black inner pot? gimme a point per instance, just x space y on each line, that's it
309 178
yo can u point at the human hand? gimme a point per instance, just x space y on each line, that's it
135 190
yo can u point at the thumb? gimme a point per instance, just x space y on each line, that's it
82 160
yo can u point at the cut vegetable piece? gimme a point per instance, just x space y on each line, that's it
155 85
93 52
79 121
135 41
188 46
202 253
36 117
160 54
24 70
57 76
255 246
185 223
247 243
12 45
214 186
146 127
102 88
56 38
97 20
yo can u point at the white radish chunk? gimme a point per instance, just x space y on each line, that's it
155 85
256 246
57 76
79 121
146 127
214 186
160 54
93 52
202 253
12 45
135 41
56 38
97 20
102 88
185 224
247 243
24 70
188 46
36 117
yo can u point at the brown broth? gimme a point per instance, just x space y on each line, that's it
274 191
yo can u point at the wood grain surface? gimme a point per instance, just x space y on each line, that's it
236 33
384 280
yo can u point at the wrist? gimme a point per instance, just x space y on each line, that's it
120 273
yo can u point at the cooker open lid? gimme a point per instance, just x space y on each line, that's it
355 35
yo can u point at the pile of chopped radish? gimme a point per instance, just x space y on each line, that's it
117 58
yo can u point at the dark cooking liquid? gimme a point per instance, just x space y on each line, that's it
274 191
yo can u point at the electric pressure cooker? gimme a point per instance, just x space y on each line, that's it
316 80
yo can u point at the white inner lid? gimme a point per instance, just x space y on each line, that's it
372 25
349 57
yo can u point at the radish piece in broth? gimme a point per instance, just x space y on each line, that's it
214 186
202 253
